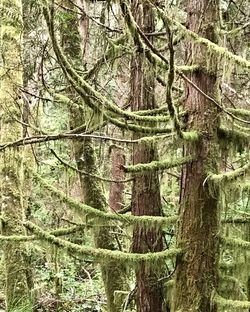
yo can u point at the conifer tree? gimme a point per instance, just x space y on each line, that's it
12 163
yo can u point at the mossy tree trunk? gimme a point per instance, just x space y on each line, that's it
197 270
12 170
113 273
146 199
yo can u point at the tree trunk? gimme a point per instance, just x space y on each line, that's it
116 189
146 199
12 171
197 270
113 273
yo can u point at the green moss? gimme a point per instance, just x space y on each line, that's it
233 304
101 255
91 212
57 232
239 112
158 165
102 103
232 137
212 47
230 176
235 243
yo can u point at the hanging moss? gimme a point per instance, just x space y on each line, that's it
233 304
118 44
237 139
102 101
91 212
158 165
190 136
144 45
230 176
57 232
239 112
231 288
237 220
235 243
101 255
212 47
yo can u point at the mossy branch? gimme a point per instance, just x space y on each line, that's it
95 176
100 254
84 88
234 136
230 176
237 220
144 45
171 77
235 243
227 303
240 112
95 213
158 165
57 232
211 46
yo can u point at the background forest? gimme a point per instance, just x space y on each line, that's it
124 170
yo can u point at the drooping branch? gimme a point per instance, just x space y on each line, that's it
135 31
235 242
237 220
57 232
233 304
237 137
230 176
100 254
217 50
158 165
91 212
66 164
84 88
143 43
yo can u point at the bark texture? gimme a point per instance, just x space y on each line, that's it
197 269
113 273
116 189
146 199
17 292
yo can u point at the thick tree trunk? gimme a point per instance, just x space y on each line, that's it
12 172
146 199
197 270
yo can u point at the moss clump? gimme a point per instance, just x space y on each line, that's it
233 304
158 165
235 242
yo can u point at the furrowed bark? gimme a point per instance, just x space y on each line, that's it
146 199
17 292
113 273
197 271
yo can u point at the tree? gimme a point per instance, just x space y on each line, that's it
106 81
197 270
12 163
146 198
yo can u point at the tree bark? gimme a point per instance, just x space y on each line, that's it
197 270
146 199
17 292
113 273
